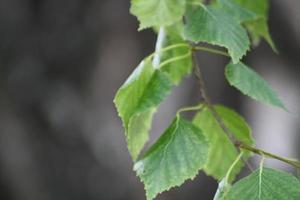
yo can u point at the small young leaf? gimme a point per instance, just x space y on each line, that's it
213 25
265 184
178 155
222 151
157 12
136 102
250 83
259 27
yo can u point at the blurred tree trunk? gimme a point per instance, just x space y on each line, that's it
48 49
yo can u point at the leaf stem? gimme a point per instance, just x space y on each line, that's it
174 46
210 50
292 162
232 166
192 108
261 167
174 59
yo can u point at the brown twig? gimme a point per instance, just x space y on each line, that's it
206 99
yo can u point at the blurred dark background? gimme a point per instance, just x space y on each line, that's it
61 62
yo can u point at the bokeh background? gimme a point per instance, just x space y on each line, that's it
61 62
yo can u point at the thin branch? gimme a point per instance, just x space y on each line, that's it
204 95
292 162
200 80
206 99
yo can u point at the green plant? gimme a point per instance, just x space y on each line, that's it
217 140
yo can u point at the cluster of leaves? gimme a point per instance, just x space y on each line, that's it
186 147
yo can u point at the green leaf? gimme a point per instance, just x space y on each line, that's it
266 184
250 83
213 25
235 124
157 12
139 97
222 152
136 102
178 155
238 12
259 27
176 70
